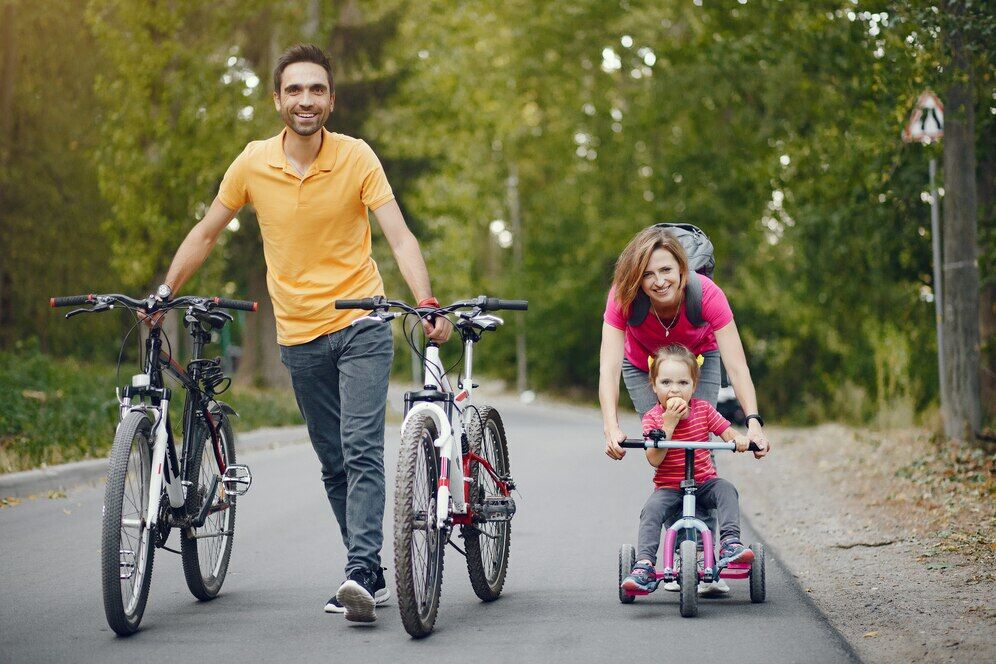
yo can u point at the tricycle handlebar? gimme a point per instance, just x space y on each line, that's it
641 443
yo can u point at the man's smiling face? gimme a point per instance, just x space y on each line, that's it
304 101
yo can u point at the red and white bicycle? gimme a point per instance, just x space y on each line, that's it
452 467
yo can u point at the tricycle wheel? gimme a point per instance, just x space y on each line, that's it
757 573
627 558
689 580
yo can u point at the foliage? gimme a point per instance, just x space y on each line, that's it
774 126
56 411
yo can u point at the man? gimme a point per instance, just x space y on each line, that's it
311 189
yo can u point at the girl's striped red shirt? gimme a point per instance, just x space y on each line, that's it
702 420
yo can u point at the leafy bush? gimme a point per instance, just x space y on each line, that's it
55 411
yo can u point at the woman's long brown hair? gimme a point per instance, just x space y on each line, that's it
633 260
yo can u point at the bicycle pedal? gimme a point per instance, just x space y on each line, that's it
126 564
237 480
498 508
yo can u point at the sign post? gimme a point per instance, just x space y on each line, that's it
926 125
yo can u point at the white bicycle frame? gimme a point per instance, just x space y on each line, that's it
450 431
160 436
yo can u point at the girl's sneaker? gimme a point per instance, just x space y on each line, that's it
643 578
733 551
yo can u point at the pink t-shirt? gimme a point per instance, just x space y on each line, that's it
702 420
649 336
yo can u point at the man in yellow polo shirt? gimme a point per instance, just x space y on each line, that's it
311 189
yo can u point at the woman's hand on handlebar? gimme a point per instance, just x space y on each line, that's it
755 433
613 436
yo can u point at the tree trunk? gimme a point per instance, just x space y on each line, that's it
963 412
987 310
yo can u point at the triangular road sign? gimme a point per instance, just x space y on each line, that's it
927 120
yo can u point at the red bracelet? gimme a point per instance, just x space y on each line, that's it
429 302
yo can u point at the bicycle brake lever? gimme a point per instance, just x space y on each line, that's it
103 306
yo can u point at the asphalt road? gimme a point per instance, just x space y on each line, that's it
559 605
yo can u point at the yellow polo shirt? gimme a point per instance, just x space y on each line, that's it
316 232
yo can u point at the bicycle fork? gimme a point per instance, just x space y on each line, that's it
174 491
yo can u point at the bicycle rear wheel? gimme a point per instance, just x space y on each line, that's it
126 550
207 550
418 543
488 542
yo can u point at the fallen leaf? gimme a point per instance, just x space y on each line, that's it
872 634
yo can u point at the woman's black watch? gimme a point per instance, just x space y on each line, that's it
755 416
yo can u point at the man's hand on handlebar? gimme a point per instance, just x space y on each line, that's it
438 329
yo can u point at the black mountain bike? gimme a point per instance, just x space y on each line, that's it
151 488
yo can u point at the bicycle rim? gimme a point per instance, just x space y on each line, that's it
418 543
207 553
126 542
494 542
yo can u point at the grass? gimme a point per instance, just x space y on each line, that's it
60 410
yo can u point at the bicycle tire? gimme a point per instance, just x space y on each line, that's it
757 591
627 558
418 587
205 559
487 562
126 496
689 575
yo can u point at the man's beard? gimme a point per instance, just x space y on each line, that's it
304 130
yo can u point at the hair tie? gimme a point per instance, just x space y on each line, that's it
699 360
650 362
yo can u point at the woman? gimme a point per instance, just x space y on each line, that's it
654 266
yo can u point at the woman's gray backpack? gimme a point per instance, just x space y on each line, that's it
700 261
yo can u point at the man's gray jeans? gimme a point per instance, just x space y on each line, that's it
340 382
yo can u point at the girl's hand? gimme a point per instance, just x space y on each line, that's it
675 409
742 442
613 436
755 432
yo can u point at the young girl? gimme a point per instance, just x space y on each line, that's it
674 373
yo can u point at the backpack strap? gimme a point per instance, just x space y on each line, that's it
640 308
693 300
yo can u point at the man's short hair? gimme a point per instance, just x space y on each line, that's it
301 53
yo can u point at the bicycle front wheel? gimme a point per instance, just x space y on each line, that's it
488 542
418 543
126 550
206 550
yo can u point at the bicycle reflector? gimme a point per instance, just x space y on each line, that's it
140 380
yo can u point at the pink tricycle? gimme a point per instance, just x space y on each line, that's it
686 571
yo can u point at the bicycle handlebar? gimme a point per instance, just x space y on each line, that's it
641 443
241 305
70 300
482 302
151 304
366 303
